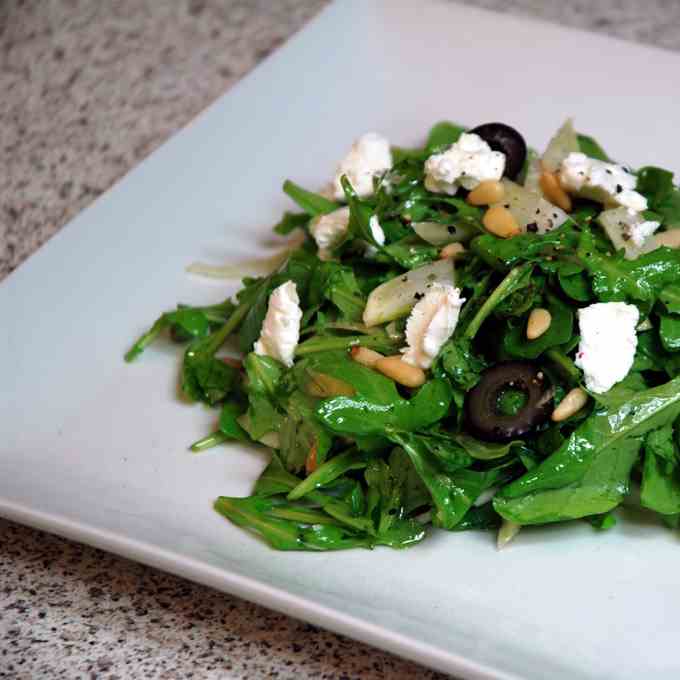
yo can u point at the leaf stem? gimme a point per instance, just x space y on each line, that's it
505 287
209 442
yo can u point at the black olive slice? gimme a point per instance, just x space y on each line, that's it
484 417
503 138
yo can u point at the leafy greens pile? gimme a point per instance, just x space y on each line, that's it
358 461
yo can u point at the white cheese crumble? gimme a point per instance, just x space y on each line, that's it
431 324
607 183
376 230
608 343
466 163
328 230
370 156
281 328
637 230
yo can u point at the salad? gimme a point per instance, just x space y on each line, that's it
465 336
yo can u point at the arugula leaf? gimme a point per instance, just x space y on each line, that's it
301 433
482 518
184 323
329 471
462 364
313 204
575 282
290 222
342 289
615 278
485 450
411 252
670 298
452 494
660 487
591 148
515 279
663 196
503 254
260 515
363 415
515 341
229 425
205 378
443 134
669 332
589 473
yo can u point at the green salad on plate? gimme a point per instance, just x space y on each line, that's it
467 335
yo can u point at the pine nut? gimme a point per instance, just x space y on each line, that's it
396 368
487 192
452 250
538 323
553 191
572 403
670 238
500 222
365 356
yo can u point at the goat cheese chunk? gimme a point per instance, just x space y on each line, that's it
606 183
281 328
370 156
637 230
464 164
328 230
431 324
608 343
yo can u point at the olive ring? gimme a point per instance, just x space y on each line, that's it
483 416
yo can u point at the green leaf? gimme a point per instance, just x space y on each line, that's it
515 280
615 278
670 298
342 289
443 134
411 252
313 204
669 332
275 479
330 470
290 222
185 323
483 518
362 415
327 343
301 433
660 487
461 363
559 332
228 421
452 494
589 473
360 214
205 378
259 514
503 254
576 285
663 196
485 450
591 148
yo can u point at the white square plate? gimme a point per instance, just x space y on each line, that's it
95 450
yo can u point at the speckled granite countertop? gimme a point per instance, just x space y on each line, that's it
88 90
